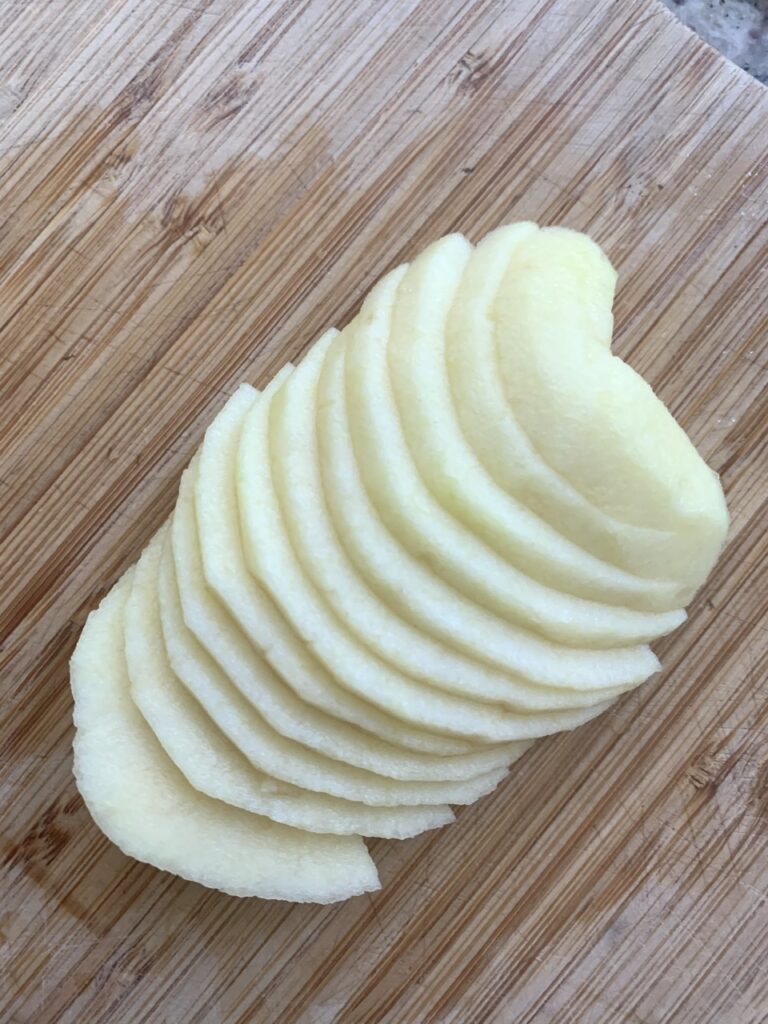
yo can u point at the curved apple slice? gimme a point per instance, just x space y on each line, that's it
416 354
224 748
295 465
416 594
140 800
498 439
380 764
404 305
648 473
254 611
515 649
303 766
272 560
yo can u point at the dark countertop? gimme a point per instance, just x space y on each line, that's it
737 28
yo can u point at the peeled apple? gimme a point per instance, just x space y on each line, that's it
454 528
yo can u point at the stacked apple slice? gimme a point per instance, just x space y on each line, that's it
453 528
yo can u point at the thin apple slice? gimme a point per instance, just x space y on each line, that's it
432 289
497 439
415 308
272 560
257 616
648 473
412 590
386 776
496 435
528 654
235 756
295 465
141 801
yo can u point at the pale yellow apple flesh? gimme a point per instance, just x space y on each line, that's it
497 439
237 713
492 421
242 763
400 306
528 653
142 802
648 473
227 575
454 528
382 774
273 561
426 298
418 596
295 465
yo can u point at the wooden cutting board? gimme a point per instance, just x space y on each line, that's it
190 192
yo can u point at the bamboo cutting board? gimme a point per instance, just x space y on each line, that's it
190 192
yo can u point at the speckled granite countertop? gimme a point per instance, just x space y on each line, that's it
737 28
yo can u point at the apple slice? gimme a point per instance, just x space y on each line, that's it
215 764
296 474
467 624
387 775
254 611
415 307
412 590
272 560
492 430
496 435
140 800
432 288
648 473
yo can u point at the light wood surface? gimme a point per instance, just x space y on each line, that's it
189 193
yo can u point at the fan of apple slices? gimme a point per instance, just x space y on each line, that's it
453 528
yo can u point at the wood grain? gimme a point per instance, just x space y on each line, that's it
190 192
